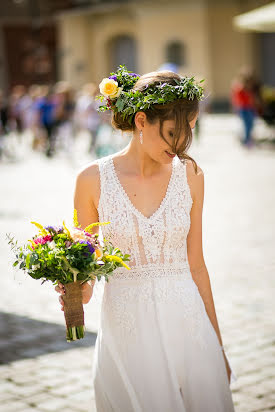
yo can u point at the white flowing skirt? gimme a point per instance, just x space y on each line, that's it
156 349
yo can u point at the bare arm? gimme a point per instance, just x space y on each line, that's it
86 191
195 250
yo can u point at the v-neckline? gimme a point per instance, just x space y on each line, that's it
130 203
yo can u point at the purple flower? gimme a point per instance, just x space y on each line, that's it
50 228
90 246
133 74
114 77
54 229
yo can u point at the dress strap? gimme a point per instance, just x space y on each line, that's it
104 177
182 185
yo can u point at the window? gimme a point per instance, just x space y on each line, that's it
122 50
175 53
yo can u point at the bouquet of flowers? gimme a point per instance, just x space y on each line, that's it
70 256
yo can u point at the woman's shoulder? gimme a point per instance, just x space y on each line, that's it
91 170
88 172
195 179
191 171
88 181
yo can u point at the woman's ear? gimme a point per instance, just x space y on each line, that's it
140 119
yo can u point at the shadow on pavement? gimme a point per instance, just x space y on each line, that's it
22 338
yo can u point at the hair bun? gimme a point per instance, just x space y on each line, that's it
121 124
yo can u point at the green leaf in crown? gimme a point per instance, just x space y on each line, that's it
117 91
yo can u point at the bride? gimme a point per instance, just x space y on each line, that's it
159 347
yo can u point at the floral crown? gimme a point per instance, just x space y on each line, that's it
117 91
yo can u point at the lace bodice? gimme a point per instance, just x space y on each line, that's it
152 242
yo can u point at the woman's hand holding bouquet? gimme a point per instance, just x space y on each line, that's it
72 258
86 289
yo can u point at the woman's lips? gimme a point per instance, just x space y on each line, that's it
170 155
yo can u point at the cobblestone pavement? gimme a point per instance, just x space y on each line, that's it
40 371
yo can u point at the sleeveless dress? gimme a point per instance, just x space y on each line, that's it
156 349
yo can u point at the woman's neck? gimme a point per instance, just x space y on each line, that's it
138 161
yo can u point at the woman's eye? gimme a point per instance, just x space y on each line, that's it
171 134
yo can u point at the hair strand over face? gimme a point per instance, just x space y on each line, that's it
182 111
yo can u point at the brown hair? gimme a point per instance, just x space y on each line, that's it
181 110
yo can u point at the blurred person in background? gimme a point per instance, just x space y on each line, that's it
64 106
30 113
46 118
4 114
168 66
4 117
18 102
86 114
246 100
33 117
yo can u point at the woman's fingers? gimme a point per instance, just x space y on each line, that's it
61 301
60 288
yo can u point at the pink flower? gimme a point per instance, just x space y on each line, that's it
42 240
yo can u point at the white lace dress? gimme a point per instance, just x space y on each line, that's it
156 349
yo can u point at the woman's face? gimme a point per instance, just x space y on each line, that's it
155 146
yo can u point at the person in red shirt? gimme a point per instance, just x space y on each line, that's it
244 98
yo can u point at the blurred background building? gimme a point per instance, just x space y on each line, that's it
43 41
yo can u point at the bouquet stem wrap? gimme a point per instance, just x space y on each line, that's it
73 311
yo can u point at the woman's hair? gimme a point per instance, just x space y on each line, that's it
182 111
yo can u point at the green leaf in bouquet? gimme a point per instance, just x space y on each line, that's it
28 258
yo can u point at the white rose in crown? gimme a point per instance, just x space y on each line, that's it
109 88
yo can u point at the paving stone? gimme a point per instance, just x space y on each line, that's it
6 397
81 396
14 406
25 390
7 387
54 405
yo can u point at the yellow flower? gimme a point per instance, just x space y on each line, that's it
42 231
113 258
32 243
109 88
66 229
76 224
90 227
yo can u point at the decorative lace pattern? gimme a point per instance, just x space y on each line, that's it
160 238
157 244
153 271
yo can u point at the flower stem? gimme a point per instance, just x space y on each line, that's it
74 333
